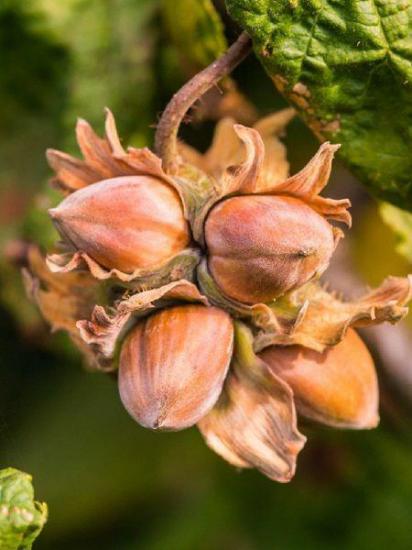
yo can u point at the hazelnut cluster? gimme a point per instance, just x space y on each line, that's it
200 288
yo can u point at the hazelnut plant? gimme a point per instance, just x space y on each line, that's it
194 279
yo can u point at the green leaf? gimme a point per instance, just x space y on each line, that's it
196 30
401 223
21 518
347 66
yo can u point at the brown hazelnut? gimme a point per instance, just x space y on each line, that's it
261 246
126 223
173 365
337 387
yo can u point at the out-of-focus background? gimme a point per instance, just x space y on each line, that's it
110 484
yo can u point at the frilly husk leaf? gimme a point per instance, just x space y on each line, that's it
245 177
250 177
244 160
104 158
67 299
254 425
198 193
181 266
275 165
260 316
317 319
227 148
106 327
309 182
62 298
202 180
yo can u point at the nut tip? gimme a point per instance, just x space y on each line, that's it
54 213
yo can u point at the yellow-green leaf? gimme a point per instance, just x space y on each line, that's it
401 223
196 30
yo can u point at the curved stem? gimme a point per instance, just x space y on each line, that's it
168 126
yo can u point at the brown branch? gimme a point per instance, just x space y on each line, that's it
168 126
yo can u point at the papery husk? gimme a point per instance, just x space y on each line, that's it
203 180
253 425
104 329
63 298
240 160
253 176
198 192
261 316
105 158
244 160
227 148
315 318
181 266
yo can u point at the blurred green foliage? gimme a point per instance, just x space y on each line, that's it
111 485
373 260
196 30
33 95
111 46
401 223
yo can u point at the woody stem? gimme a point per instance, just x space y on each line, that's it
169 123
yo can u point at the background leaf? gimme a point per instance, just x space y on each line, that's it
347 67
196 29
401 223
21 518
